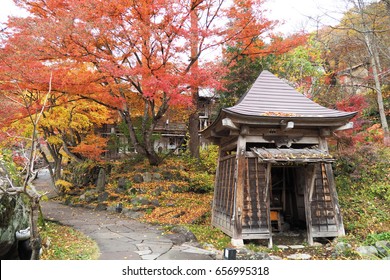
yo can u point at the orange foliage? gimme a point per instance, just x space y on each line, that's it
92 147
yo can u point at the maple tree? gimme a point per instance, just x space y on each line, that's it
116 52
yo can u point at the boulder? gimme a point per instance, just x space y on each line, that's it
341 248
157 177
137 178
124 183
101 207
167 175
103 196
383 247
101 180
175 188
90 196
367 251
140 200
158 191
13 217
186 233
147 177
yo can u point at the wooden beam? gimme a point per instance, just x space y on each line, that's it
345 127
287 125
228 123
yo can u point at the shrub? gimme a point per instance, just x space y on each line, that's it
209 158
201 182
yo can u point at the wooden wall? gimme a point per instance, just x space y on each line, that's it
224 194
255 213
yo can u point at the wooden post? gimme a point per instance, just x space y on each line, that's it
309 186
237 239
268 203
335 199
217 178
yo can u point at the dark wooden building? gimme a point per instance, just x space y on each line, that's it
274 167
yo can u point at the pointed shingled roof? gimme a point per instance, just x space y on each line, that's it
270 96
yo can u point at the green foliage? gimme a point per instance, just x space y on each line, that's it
210 235
6 161
374 237
241 76
201 182
363 182
209 158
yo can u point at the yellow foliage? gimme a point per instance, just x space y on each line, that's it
63 185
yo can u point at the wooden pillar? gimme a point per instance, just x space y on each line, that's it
237 239
308 192
217 178
335 199
268 185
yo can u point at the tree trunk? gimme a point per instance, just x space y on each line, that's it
374 59
381 108
193 128
146 148
35 240
193 125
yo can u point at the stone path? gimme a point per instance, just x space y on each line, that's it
118 237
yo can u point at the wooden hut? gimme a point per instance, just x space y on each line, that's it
274 168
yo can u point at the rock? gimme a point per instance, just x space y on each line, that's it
155 202
89 196
132 214
276 258
137 178
367 251
167 175
383 247
175 188
156 177
177 239
124 183
299 257
316 244
147 177
103 197
283 247
295 247
101 180
341 248
188 235
101 207
158 191
13 217
140 200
